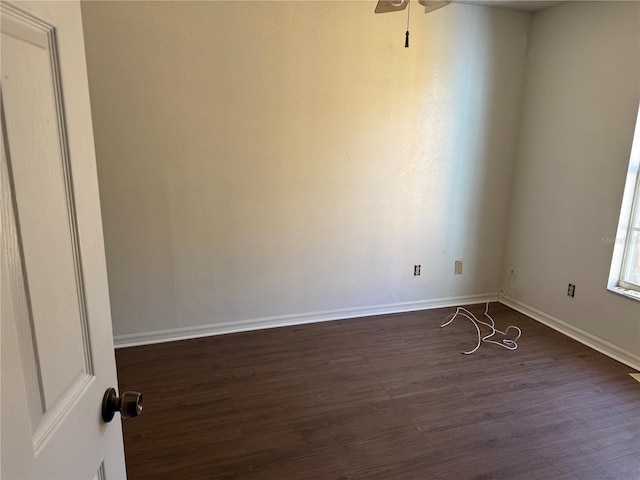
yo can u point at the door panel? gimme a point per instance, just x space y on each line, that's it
42 194
57 348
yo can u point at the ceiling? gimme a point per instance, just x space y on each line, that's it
524 5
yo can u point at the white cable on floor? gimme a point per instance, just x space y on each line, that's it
507 343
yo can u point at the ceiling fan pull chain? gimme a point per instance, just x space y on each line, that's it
406 35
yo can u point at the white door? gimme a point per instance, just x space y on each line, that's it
56 339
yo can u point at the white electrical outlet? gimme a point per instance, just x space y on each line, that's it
458 270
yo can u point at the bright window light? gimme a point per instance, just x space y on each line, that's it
624 277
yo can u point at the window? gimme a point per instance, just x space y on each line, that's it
624 277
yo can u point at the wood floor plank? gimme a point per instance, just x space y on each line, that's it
387 397
620 468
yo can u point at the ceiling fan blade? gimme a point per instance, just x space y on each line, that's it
430 6
386 6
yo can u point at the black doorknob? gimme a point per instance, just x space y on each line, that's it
129 404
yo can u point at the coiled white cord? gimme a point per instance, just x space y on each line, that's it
509 344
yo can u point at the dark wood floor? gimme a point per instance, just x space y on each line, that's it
387 398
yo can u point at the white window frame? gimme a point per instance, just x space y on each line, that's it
629 222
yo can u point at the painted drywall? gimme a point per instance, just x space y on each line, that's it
579 110
261 161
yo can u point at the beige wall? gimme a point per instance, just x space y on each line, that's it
268 162
579 110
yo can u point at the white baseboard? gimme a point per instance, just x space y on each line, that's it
183 333
581 336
